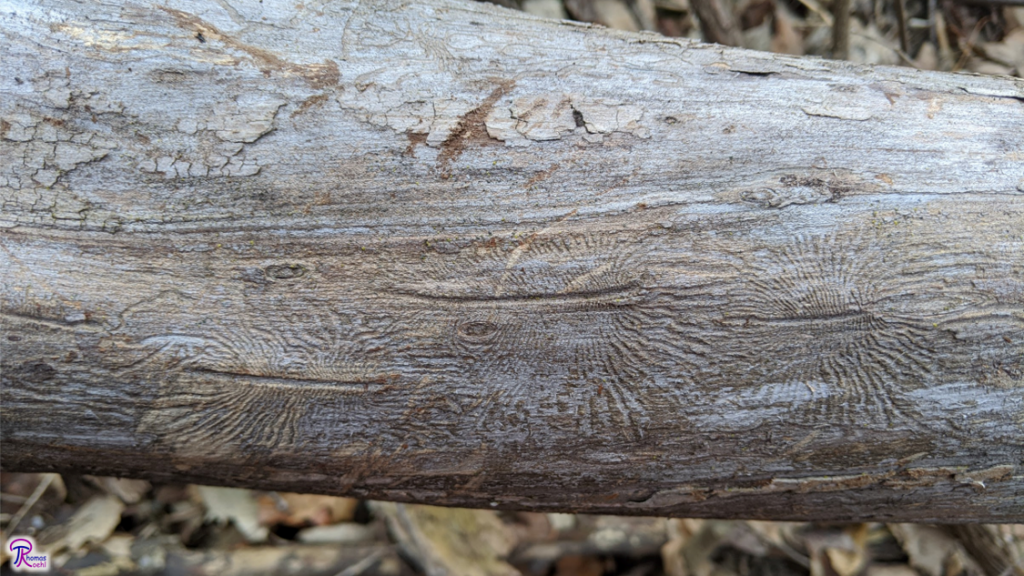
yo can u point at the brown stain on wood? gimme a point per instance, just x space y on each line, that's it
319 76
415 139
471 128
541 176
315 100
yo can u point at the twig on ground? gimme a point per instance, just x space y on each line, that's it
967 46
364 564
841 30
903 55
901 24
786 549
932 24
942 35
44 483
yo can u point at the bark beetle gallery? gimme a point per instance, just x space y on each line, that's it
442 252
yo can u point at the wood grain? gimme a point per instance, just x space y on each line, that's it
443 252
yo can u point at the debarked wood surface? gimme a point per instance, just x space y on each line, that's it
443 252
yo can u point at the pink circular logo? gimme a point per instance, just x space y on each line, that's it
21 548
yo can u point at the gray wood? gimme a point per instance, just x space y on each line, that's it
444 252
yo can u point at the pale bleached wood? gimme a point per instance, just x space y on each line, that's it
448 253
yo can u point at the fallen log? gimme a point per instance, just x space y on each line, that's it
443 252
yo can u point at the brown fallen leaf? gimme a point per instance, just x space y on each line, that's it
927 57
890 570
233 505
985 544
128 490
545 8
304 509
933 552
94 521
1008 53
680 534
615 14
850 561
692 544
837 551
451 541
579 566
786 39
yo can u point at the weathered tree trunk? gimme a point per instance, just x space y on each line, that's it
443 252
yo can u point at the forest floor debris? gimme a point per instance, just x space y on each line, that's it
95 526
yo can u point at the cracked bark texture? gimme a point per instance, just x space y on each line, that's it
444 252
